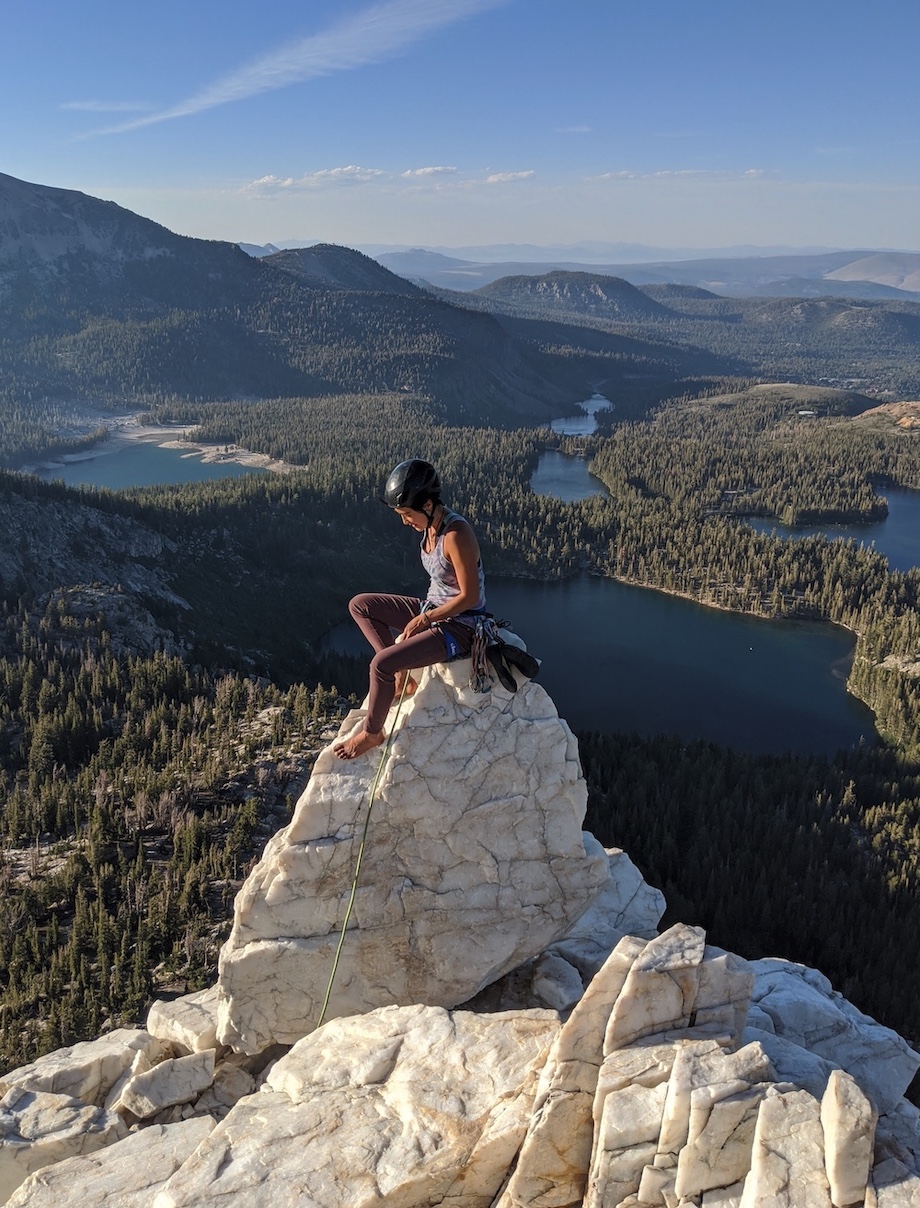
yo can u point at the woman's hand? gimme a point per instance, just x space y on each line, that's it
417 624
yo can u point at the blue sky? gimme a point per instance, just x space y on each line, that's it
693 123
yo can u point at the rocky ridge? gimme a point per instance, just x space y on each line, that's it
613 1067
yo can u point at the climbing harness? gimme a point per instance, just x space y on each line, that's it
367 821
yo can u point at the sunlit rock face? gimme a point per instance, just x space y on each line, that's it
475 862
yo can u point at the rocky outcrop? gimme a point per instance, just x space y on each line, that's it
127 1175
669 1072
475 863
645 1094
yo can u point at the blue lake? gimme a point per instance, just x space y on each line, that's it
897 536
120 464
585 423
565 475
621 658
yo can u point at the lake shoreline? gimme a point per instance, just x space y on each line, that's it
124 430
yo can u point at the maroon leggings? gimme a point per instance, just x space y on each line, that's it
377 616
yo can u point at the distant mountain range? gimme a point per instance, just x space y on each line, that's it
855 274
746 271
99 305
586 251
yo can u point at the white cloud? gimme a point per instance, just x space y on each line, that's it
352 172
431 171
501 178
107 106
370 36
349 175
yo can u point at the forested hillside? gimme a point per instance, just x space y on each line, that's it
870 345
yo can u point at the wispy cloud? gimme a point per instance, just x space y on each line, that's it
684 174
370 36
501 178
423 172
108 106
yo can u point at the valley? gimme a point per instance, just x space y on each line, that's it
162 644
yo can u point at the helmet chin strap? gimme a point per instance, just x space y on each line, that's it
429 516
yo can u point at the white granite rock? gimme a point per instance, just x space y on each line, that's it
188 1023
893 1185
897 1135
710 1111
792 1063
140 1065
787 1160
660 988
720 1138
555 983
806 1010
628 906
848 1120
229 1086
557 1149
38 1128
406 1106
178 1080
475 862
126 1175
86 1071
723 1197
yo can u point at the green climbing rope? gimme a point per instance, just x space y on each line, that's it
367 821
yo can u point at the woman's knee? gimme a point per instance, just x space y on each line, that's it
358 606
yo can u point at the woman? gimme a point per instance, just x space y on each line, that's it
439 627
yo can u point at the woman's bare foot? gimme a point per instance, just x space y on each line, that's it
405 684
358 744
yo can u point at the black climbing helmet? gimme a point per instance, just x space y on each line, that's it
411 483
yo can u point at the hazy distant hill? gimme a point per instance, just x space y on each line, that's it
870 344
578 293
901 270
673 292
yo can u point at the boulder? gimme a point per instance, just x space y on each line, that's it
86 1071
179 1080
897 1135
38 1128
805 1009
475 862
126 1175
409 1106
188 1023
787 1161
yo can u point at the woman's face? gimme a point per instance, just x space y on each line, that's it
413 517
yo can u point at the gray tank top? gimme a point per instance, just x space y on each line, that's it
444 585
